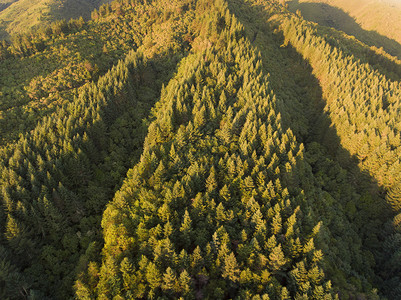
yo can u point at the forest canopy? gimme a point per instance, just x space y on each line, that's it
196 149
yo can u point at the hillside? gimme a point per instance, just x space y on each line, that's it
6 3
196 149
374 22
22 15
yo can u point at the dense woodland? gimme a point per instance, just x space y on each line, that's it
21 16
374 22
195 149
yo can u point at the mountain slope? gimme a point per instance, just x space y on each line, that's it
6 3
57 177
204 212
22 15
40 72
363 107
263 156
374 22
201 215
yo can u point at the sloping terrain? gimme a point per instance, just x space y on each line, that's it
22 15
198 149
6 3
57 178
154 199
374 22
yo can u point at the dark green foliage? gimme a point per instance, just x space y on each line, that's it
361 104
210 196
33 15
247 131
46 171
57 178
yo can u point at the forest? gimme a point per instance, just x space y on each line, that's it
22 16
198 149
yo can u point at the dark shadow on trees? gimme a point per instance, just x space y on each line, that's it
146 89
3 6
328 15
10 127
292 80
3 33
92 176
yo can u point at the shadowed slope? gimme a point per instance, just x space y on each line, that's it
57 178
301 105
6 3
23 15
203 214
362 105
213 209
336 17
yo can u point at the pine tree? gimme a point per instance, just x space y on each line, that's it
276 258
231 270
169 280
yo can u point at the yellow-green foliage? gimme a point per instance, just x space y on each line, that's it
260 148
361 102
6 3
374 22
209 201
24 15
94 135
41 81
